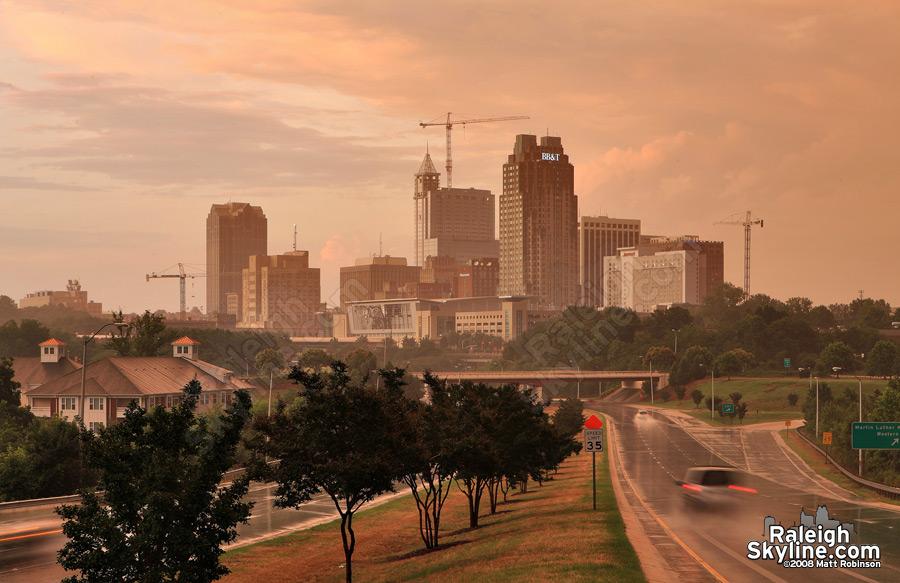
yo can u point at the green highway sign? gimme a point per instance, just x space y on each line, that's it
787 363
727 408
875 435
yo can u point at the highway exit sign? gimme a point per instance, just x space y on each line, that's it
727 408
787 363
875 435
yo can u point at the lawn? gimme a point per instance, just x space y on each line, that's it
766 398
549 533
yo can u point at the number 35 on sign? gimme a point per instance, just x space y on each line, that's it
593 440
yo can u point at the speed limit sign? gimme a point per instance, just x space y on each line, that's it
593 440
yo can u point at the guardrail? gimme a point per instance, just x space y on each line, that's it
227 478
883 489
17 504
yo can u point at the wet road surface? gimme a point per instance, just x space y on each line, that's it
658 450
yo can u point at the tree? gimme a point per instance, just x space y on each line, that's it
345 439
8 309
792 399
360 362
569 417
37 462
22 339
680 390
741 410
427 463
162 515
315 358
697 396
145 335
836 354
661 357
9 389
728 364
693 364
735 397
882 360
887 405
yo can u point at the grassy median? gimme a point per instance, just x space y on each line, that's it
549 533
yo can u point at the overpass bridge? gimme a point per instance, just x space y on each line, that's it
540 379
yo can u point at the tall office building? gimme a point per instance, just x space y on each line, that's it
452 222
539 224
600 237
234 232
282 293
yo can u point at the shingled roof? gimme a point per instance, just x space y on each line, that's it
141 375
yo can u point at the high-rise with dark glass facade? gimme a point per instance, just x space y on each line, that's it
601 237
234 232
539 224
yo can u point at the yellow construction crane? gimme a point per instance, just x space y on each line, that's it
448 123
181 275
746 220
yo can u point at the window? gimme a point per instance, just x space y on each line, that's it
169 401
67 403
96 403
95 425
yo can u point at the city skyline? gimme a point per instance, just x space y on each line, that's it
125 121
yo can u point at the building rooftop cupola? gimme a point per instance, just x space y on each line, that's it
186 348
52 350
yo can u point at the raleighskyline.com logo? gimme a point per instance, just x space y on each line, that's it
818 541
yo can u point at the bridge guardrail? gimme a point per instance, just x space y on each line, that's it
883 489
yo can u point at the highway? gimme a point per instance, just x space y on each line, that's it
712 546
30 538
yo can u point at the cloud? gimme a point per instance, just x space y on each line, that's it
155 137
25 183
333 250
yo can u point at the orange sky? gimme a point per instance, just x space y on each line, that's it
123 121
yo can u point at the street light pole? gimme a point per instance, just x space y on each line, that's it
84 365
676 341
712 369
650 361
817 405
860 420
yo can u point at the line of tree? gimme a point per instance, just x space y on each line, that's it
727 332
837 413
354 441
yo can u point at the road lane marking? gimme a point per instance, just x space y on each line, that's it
664 526
751 564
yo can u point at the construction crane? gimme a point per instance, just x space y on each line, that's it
746 220
182 276
449 125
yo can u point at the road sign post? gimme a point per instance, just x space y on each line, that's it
826 441
593 442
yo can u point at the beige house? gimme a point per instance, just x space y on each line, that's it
112 383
